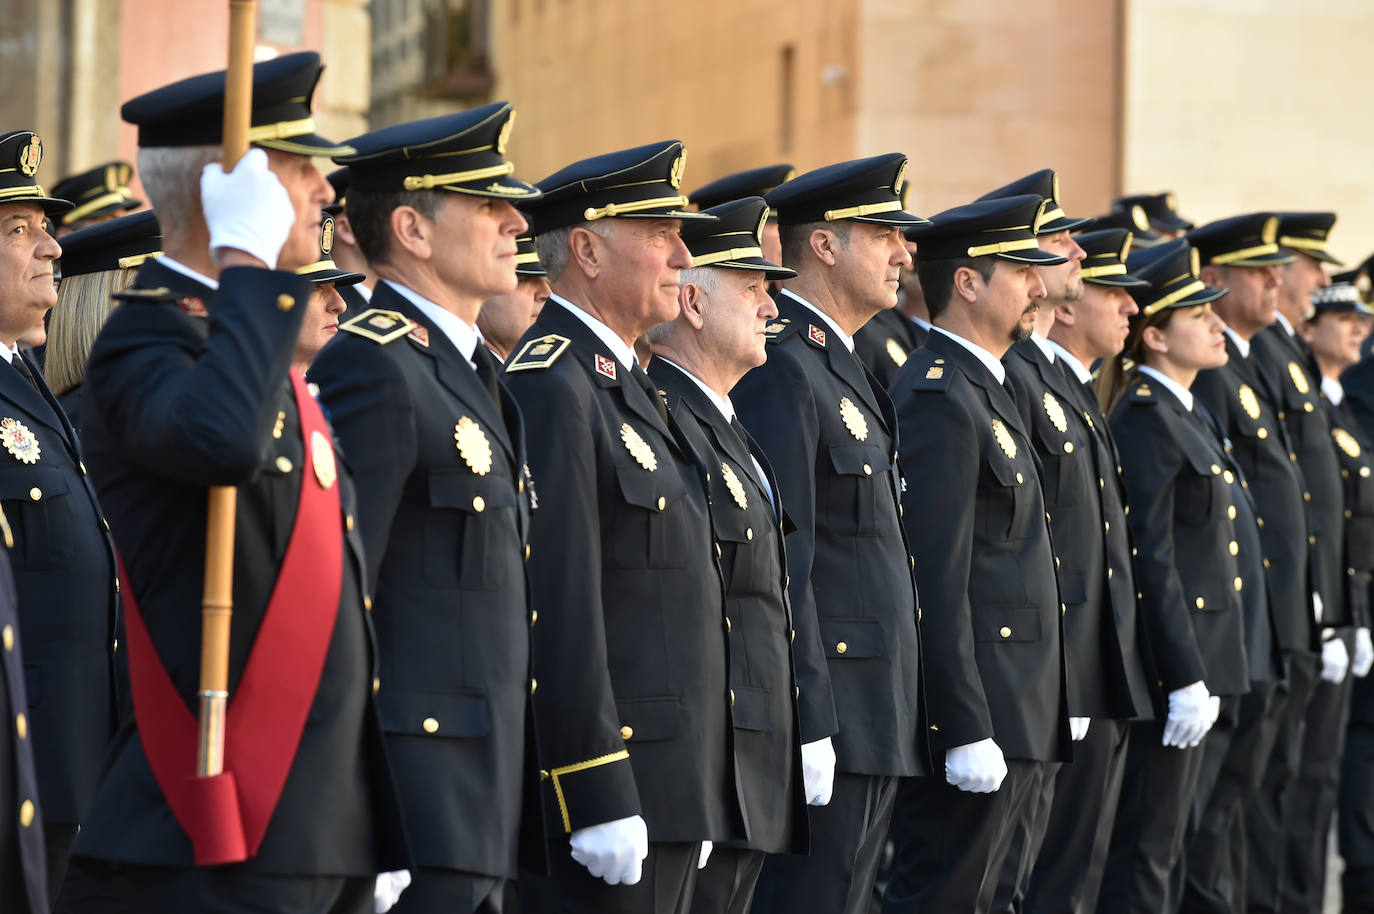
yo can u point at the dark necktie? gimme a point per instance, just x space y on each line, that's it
647 386
486 373
19 365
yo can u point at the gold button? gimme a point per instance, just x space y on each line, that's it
367 603
728 626
82 465
1311 541
35 493
1047 517
1266 563
431 725
534 686
1238 583
21 726
8 635
1234 547
662 503
1107 526
717 550
1200 602
348 521
1259 522
732 698
1229 477
26 813
792 635
1101 483
1056 561
868 470
1348 515
114 648
116 580
479 504
626 732
918 614
527 552
1020 479
1215 469
1126 511
1245 484
283 464
1231 511
935 728
1109 574
1004 632
1307 407
534 617
1307 496
796 691
1364 472
1068 447
376 685
285 302
1345 474
1134 551
841 647
520 484
1063 610
1263 432
913 560
749 533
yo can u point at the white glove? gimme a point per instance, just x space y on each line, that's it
818 771
1335 660
388 889
1318 607
1190 716
976 767
613 851
247 209
1078 728
705 854
1213 710
1363 660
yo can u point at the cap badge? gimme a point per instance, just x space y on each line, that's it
322 456
19 441
816 334
853 419
605 366
327 235
1270 230
111 177
1126 247
473 446
1346 442
1054 187
901 176
733 484
1004 439
504 136
1142 221
679 165
1248 401
1055 412
1171 202
1299 378
639 448
31 156
895 352
1195 262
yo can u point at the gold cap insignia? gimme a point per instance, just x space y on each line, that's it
1055 412
1248 401
679 166
1195 262
1270 230
322 456
19 441
1171 202
733 484
1299 378
1126 247
639 448
1346 442
901 176
1054 187
853 419
1138 216
327 235
473 446
1004 439
112 177
504 136
31 156
895 352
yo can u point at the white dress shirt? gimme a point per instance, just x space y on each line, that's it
993 364
1185 396
624 354
829 321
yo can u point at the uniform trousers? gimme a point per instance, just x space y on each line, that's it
1235 758
1355 823
1151 818
101 887
847 837
726 885
1265 825
57 848
666 886
451 891
950 844
1027 836
1067 875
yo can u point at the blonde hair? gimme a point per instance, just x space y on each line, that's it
84 302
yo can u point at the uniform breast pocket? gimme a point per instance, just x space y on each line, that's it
451 715
749 549
857 501
1198 495
654 528
853 639
473 522
37 505
1002 490
1007 623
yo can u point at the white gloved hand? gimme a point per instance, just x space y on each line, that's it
1335 660
818 771
1213 710
1318 607
1189 716
976 767
613 851
1363 660
1078 728
388 889
248 209
705 854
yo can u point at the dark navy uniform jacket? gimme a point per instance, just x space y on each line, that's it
188 388
443 508
976 517
830 433
884 343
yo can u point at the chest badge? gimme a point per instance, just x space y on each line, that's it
734 485
605 367
895 352
1248 401
473 446
1055 412
19 441
639 448
1004 439
1299 378
853 419
1346 442
322 456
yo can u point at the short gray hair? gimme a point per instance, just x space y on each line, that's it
707 279
171 176
553 245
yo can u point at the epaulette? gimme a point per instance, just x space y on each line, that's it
1143 394
146 295
935 377
379 325
540 352
780 329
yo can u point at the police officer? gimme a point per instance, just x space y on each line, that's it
829 431
63 560
697 359
190 386
326 305
1160 214
504 318
97 195
981 545
633 698
754 182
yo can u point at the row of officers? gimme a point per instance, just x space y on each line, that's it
581 575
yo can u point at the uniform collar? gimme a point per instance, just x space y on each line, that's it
460 333
727 409
1283 322
184 270
920 322
1333 390
848 340
990 362
1242 345
624 354
1079 372
1043 345
1185 396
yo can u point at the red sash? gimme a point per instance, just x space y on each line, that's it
227 816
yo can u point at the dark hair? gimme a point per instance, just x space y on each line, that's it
937 278
369 215
796 239
1113 376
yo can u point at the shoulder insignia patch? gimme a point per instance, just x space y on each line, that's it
779 329
816 335
149 295
420 336
540 352
895 352
379 325
936 377
605 367
193 306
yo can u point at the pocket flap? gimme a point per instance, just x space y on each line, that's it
21 484
751 709
857 459
652 490
732 525
650 718
1007 623
1204 464
465 491
853 639
1004 470
443 714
